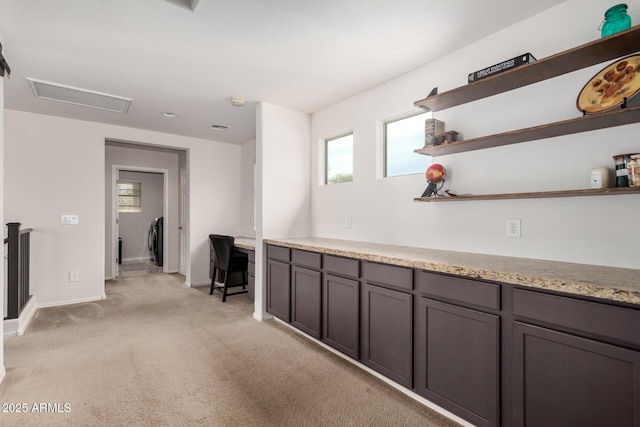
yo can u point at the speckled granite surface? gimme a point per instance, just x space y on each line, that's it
616 284
245 243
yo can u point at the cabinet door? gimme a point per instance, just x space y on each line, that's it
251 279
387 330
278 290
251 287
306 291
564 380
341 314
457 363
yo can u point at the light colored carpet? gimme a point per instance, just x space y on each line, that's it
155 353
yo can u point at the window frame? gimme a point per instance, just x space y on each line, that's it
134 208
326 142
385 145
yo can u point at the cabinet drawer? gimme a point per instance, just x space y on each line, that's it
390 275
457 289
251 269
252 256
279 253
618 325
342 266
306 258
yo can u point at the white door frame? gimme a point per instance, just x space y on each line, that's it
115 174
182 220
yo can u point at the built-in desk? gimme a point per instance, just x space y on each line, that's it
248 246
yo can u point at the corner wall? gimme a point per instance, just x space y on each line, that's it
282 193
592 230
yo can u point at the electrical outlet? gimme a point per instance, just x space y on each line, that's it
349 222
74 276
513 227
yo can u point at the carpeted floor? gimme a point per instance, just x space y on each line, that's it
155 353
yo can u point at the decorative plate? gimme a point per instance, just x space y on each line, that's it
607 89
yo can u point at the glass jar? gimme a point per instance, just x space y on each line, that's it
633 170
615 20
622 174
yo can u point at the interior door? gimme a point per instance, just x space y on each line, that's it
182 232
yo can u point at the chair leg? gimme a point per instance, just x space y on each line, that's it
224 291
213 280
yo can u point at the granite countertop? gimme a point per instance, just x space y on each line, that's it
248 243
611 283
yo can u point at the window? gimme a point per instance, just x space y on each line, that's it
129 196
339 166
401 137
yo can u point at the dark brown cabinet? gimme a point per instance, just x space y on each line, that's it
565 380
278 290
341 314
251 276
576 362
306 300
491 353
387 329
458 360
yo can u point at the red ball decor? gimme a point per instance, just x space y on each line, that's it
436 173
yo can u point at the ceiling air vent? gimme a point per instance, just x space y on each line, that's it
77 96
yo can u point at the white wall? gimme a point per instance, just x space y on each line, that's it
134 226
248 189
2 172
145 157
282 194
56 166
593 230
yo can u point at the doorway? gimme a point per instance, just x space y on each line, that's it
173 165
132 227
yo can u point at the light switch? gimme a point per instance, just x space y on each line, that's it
70 220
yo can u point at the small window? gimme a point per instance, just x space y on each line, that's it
339 166
401 137
129 196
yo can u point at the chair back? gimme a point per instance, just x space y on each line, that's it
222 250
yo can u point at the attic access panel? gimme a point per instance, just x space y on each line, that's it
77 96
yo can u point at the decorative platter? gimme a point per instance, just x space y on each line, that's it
608 89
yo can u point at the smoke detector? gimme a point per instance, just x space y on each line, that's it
237 102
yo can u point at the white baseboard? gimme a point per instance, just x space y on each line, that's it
2 372
68 302
16 327
202 284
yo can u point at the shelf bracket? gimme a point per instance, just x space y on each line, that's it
4 67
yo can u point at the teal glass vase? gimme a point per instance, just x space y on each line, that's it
615 20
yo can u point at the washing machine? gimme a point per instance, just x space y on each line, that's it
154 240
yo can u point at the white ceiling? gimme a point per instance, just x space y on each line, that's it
299 54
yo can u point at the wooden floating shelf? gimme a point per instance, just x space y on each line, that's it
622 116
536 195
595 52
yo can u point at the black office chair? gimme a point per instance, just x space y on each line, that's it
226 265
